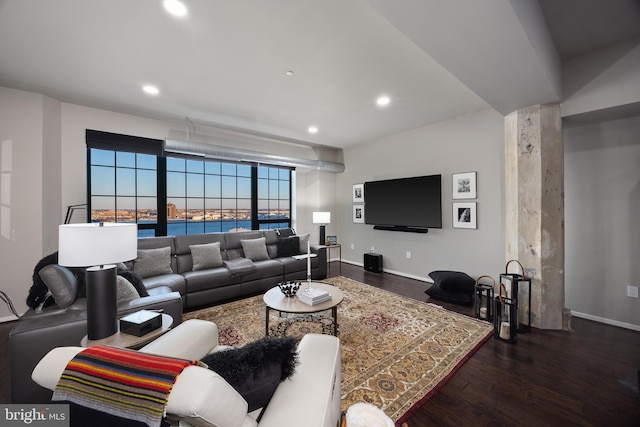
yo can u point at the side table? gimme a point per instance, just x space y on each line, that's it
123 340
334 246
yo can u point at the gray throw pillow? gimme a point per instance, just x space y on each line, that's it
61 282
153 262
125 290
255 249
304 240
206 256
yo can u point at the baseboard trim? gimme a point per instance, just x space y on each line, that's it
8 318
606 321
397 273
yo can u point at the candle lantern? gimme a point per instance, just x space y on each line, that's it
505 326
519 288
484 299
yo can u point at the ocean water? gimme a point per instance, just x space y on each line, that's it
179 228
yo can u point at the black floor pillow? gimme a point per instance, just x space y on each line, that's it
463 298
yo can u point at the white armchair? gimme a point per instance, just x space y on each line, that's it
201 397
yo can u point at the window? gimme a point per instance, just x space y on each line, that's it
274 197
207 196
124 188
180 195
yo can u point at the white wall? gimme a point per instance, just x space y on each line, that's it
21 216
473 142
603 79
46 173
602 208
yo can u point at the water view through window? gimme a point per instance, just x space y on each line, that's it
199 196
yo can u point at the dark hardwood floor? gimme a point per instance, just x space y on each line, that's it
588 377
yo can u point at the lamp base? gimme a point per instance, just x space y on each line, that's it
322 236
102 302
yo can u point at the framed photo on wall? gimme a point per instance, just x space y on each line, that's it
464 185
464 215
358 193
358 214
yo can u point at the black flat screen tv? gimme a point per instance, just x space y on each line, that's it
404 204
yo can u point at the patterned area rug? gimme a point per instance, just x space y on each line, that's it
396 351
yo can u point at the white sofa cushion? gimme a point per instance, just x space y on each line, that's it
312 395
199 395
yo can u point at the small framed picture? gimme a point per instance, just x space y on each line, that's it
358 214
358 193
332 240
464 215
464 185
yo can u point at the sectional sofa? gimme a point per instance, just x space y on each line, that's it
178 273
201 266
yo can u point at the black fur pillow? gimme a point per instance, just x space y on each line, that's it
256 369
38 290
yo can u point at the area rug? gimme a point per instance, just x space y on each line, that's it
396 351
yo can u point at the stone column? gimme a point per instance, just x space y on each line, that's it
534 186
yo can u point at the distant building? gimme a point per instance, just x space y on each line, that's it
171 210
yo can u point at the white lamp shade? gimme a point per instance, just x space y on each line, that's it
91 244
322 217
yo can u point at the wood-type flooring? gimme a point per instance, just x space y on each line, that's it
585 377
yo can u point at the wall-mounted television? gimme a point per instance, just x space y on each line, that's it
404 204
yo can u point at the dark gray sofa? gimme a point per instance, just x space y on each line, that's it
214 285
37 333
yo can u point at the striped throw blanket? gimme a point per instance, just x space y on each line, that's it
123 383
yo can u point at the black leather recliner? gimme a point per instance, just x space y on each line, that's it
38 333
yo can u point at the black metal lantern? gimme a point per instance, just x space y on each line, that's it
484 299
519 288
505 321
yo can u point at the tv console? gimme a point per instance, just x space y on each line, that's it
401 228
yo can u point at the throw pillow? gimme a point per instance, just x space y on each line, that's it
304 241
288 246
135 279
256 369
437 293
255 249
38 293
125 290
153 262
453 281
206 256
61 282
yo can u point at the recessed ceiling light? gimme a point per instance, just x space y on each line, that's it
150 89
383 101
289 73
313 129
175 7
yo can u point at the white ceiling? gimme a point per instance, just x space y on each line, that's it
224 64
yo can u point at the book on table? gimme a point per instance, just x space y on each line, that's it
305 256
313 296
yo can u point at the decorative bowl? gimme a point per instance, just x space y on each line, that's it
289 288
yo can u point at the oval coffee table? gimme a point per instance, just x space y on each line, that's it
274 299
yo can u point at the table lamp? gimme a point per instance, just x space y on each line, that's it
98 246
322 218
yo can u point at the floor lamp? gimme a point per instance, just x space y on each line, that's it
322 218
98 246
